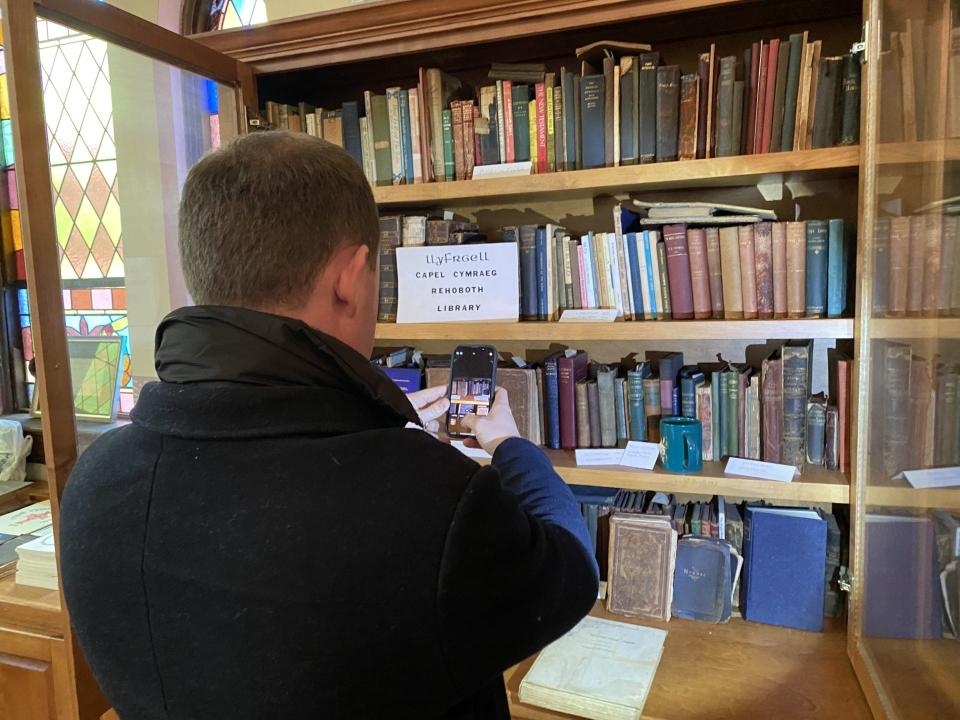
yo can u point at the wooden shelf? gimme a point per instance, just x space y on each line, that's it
648 330
30 607
922 151
905 496
920 676
713 172
737 670
915 328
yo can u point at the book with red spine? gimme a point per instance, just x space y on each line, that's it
766 132
570 370
678 271
508 121
541 98
751 120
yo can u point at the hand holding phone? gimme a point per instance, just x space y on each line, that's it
495 427
473 375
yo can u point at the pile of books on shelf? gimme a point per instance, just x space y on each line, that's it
715 266
768 413
623 107
663 556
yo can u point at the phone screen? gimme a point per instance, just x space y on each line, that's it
472 381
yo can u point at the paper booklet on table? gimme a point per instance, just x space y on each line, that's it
601 669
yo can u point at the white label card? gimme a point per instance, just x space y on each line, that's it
458 283
481 172
596 315
759 469
642 455
605 456
933 477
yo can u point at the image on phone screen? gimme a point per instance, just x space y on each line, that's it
471 385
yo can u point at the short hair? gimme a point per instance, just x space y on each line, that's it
261 217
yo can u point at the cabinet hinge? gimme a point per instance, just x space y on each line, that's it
845 580
860 48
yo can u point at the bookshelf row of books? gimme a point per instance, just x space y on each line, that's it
563 400
624 107
673 271
663 556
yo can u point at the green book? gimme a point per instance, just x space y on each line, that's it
717 429
638 420
790 93
449 169
732 444
381 139
521 122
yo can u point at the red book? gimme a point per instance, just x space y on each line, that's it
678 271
508 121
541 97
476 139
751 118
761 98
699 272
771 91
570 370
763 251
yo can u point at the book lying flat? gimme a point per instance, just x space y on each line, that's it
601 670
665 209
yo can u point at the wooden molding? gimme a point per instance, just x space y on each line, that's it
396 27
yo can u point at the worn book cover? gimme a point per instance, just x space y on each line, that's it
689 108
730 268
702 584
668 112
763 242
678 268
391 227
699 272
796 364
748 270
771 391
796 240
642 557
898 266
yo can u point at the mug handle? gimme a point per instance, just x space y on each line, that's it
686 451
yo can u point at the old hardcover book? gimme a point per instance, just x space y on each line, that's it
689 107
570 371
505 107
770 90
593 410
839 378
816 423
909 77
649 62
779 93
921 394
439 88
738 93
803 95
668 111
752 419
528 272
636 414
748 270
525 396
730 264
725 145
703 583
797 43
778 242
520 102
761 95
629 108
459 152
894 365
814 84
703 70
826 124
592 121
610 108
446 127
714 271
831 439
583 415
678 267
850 101
642 557
607 405
881 267
899 263
771 390
501 120
948 263
763 239
540 99
699 272
470 113
816 269
713 72
733 418
661 280
752 102
390 231
796 389
891 119
704 401
915 266
651 407
932 263
377 109
946 445
796 269
836 268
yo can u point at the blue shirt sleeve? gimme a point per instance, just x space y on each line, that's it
527 472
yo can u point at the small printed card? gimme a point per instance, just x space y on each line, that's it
642 455
759 469
500 170
933 477
605 456
596 315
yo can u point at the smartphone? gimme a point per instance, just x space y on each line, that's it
473 379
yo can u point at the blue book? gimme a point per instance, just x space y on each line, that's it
406 141
542 270
816 268
520 95
528 272
407 379
589 271
785 552
902 579
691 377
591 120
569 120
634 262
650 252
836 269
702 580
551 409
350 117
620 405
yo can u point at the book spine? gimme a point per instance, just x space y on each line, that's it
381 139
703 68
730 268
689 100
850 89
551 405
369 163
763 239
638 418
648 106
816 268
716 432
628 103
699 273
528 272
663 295
826 124
389 240
469 138
816 424
668 111
426 152
350 114
796 363
540 254
678 269
566 383
459 149
688 397
541 104
752 102
593 414
609 110
831 439
896 379
836 268
945 429
413 102
651 408
748 270
622 274
772 391
591 113
899 261
620 402
778 243
433 86
815 63
449 169
713 77
583 415
790 93
761 96
742 387
773 55
397 175
569 121
796 269
705 416
932 263
948 263
733 413
714 271
725 107
521 123
501 124
738 93
636 280
843 411
649 276
406 136
573 249
577 122
509 136
532 112
549 114
607 407
780 87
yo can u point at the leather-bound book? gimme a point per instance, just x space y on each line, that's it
761 95
850 101
815 53
651 407
899 263
699 272
662 280
607 405
643 552
703 75
678 269
945 442
831 439
714 271
629 108
770 91
796 389
668 112
459 152
390 231
647 83
570 371
771 391
915 265
803 95
540 103
725 146
778 244
748 271
891 119
593 409
816 421
704 400
610 109
826 123
796 269
592 121
921 389
881 266
520 104
730 264
797 42
894 365
816 268
689 98
752 91
738 93
779 93
763 241
528 272
583 415
840 369
932 259
948 262
837 268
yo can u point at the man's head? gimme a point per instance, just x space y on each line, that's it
284 223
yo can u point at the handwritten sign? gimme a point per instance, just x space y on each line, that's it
761 470
458 283
598 456
641 455
933 477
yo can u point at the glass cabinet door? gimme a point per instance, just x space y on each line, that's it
904 618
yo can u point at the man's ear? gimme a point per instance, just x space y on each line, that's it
348 286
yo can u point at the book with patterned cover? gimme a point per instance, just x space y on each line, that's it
643 552
763 241
390 230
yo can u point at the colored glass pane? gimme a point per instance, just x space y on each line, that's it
242 13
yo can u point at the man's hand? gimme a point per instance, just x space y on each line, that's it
493 428
430 405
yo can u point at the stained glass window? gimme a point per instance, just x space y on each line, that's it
227 14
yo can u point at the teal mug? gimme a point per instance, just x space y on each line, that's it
681 440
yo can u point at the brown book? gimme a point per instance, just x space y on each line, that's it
730 268
469 161
899 254
689 108
921 387
714 271
710 149
812 100
891 97
390 232
932 255
643 551
766 130
948 262
831 439
753 88
904 42
761 96
778 242
918 237
651 407
803 96
459 149
779 100
583 414
748 271
678 270
771 390
796 269
668 112
839 379
699 273
763 240
593 410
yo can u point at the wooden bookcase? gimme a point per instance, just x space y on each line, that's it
737 670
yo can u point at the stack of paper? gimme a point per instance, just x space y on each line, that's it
19 528
37 562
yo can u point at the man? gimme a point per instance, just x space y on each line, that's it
267 539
